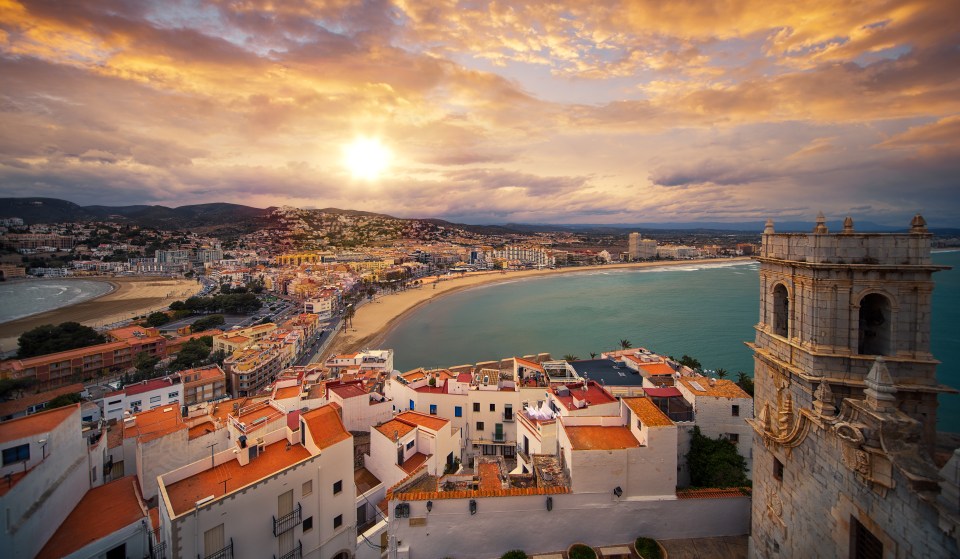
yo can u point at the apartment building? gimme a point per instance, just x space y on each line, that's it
231 341
203 384
56 369
291 495
360 409
409 441
142 396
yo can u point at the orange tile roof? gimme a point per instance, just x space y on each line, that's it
114 506
155 423
415 461
647 412
657 368
467 494
390 427
184 494
201 429
325 426
35 424
722 388
286 392
346 391
489 473
207 373
527 363
11 407
595 437
432 422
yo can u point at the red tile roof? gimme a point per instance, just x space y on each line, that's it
325 426
11 407
113 506
415 461
647 412
35 424
148 385
401 428
657 368
347 390
155 423
667 392
432 422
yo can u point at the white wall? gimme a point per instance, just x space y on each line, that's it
505 523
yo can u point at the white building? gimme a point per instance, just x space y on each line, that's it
720 409
142 396
290 495
409 441
360 409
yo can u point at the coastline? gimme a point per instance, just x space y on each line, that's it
129 297
375 319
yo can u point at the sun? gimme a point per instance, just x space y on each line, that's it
366 158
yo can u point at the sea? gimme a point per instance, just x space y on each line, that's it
19 299
706 311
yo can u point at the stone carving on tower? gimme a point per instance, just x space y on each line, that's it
846 394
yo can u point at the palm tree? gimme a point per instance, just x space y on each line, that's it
625 344
593 355
721 373
570 357
348 315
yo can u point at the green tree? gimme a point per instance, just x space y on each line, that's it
691 362
570 357
63 400
715 462
178 306
51 339
721 373
207 323
625 344
192 353
348 315
745 382
157 319
145 363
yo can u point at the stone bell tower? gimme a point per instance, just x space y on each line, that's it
846 397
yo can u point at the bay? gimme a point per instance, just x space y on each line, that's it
705 311
28 297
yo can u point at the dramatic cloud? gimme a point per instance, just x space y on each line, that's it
564 111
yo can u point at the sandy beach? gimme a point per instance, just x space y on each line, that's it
373 320
130 297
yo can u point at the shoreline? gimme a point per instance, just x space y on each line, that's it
130 297
374 320
114 286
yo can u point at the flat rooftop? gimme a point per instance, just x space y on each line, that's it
31 425
706 386
608 372
364 480
231 476
113 506
647 412
595 437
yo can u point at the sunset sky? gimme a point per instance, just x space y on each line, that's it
560 112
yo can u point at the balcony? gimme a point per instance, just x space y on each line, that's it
225 553
288 521
295 553
499 437
509 417
522 454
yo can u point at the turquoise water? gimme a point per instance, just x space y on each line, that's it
703 311
24 298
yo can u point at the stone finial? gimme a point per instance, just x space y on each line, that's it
848 225
880 388
768 227
918 224
821 228
823 402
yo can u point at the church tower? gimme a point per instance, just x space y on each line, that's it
846 399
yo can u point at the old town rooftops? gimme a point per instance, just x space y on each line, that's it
647 412
706 386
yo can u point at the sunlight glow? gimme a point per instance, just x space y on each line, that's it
366 158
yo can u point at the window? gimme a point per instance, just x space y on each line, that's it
433 409
476 406
777 470
479 426
135 404
307 487
733 437
735 411
173 395
875 324
16 454
411 405
410 444
458 411
308 524
113 402
863 544
493 407
338 487
154 399
781 310
338 521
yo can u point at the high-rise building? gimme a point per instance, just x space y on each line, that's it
846 400
639 248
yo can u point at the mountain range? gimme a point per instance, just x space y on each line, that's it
225 217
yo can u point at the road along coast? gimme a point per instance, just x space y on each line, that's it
130 297
373 320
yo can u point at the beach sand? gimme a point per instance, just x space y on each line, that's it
130 297
373 320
